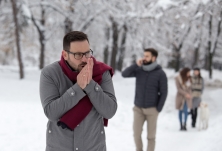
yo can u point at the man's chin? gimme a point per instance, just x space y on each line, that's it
79 69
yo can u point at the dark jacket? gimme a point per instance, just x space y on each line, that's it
151 86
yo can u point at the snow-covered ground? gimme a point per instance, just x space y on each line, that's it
23 124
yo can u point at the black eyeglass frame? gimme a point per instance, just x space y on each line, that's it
82 54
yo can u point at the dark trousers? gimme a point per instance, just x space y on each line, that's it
194 116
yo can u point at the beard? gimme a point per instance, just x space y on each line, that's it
75 67
81 66
147 62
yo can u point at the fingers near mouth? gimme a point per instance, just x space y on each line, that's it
82 65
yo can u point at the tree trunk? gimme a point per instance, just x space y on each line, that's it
177 57
209 47
17 36
196 55
210 65
106 54
122 49
206 64
68 25
42 50
211 53
197 47
178 50
106 49
177 65
133 59
42 39
115 44
68 22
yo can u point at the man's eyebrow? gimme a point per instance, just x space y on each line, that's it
81 52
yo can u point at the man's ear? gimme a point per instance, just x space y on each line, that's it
65 55
153 59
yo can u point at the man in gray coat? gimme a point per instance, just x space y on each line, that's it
77 96
150 96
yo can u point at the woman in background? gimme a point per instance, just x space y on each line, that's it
184 96
197 90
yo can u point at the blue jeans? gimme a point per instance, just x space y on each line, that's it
185 111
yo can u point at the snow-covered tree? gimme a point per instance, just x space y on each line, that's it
118 31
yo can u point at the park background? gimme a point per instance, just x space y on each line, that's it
186 33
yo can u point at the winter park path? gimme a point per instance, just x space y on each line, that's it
23 123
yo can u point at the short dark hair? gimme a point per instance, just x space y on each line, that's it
152 51
73 36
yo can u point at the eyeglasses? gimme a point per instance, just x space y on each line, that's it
79 55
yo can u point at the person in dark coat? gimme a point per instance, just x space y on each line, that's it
197 90
150 96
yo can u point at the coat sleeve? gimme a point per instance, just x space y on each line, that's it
53 104
163 90
103 96
130 71
179 89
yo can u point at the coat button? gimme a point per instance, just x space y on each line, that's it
50 131
97 88
101 132
77 149
78 125
72 93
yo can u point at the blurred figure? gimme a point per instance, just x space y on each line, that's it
184 96
197 90
151 93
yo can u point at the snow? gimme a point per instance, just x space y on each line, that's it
25 10
23 123
166 3
205 1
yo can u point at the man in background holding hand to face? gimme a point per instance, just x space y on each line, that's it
151 93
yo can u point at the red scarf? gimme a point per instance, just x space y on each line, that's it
75 115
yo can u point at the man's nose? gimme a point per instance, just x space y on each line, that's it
84 59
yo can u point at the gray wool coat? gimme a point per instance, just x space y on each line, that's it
58 95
